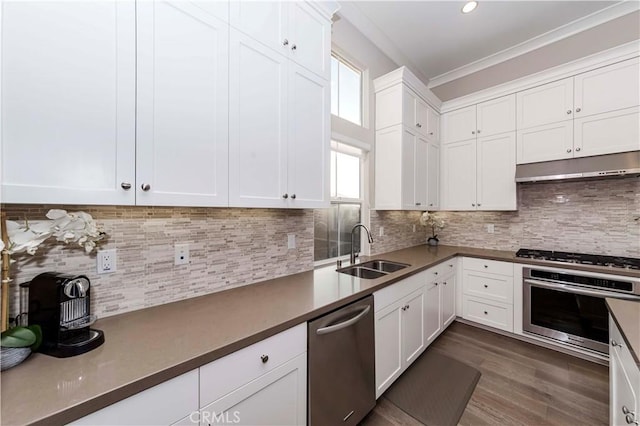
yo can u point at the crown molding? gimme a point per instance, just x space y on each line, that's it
404 75
597 18
600 59
351 12
326 7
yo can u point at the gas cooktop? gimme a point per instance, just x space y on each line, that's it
581 258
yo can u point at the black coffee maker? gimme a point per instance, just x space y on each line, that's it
60 305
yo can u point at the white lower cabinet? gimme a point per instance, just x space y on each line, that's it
409 316
624 380
163 404
487 292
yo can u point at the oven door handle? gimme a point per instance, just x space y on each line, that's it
583 291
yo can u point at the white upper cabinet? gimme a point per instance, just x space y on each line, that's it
182 126
415 112
459 175
68 102
496 169
257 124
545 104
592 113
433 177
485 119
293 29
433 126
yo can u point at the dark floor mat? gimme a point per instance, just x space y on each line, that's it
435 389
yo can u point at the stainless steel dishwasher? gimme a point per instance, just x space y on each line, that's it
342 387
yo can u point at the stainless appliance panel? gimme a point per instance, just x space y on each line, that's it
342 365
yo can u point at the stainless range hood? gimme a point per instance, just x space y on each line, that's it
600 166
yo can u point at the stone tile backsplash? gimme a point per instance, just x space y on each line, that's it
228 248
234 247
593 216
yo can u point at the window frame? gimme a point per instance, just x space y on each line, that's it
341 58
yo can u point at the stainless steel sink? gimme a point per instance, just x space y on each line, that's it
384 265
360 272
373 269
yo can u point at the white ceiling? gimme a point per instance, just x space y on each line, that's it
435 38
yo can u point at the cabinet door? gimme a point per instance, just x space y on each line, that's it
608 89
433 176
276 398
543 143
421 166
433 126
432 314
459 175
459 125
413 336
264 21
497 116
182 126
308 140
389 164
422 117
388 328
448 300
549 103
310 39
257 124
68 102
496 156
607 133
409 143
409 109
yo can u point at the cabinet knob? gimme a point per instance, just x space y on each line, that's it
145 187
486 266
125 185
430 133
430 204
625 410
418 204
568 150
285 42
294 47
568 111
478 131
418 125
578 149
486 286
479 204
435 273
264 358
444 282
450 265
285 196
473 204
614 344
486 313
473 132
630 419
578 109
436 284
293 196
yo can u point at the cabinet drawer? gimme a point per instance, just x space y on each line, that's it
223 375
393 293
442 269
493 314
488 286
490 266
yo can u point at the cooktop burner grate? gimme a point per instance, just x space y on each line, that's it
581 258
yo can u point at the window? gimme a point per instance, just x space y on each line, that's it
346 90
332 226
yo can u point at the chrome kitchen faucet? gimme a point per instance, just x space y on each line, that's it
353 256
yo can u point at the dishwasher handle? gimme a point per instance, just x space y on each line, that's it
345 324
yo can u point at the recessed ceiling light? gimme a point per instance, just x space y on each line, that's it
469 6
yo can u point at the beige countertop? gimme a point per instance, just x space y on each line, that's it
146 347
626 314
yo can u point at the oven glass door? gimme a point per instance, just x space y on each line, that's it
574 314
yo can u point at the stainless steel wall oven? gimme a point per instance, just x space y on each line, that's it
569 306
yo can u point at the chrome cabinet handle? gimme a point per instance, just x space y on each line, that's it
293 196
578 149
285 196
125 185
345 324
264 358
614 344
285 42
145 187
578 109
568 111
630 419
625 410
294 47
568 149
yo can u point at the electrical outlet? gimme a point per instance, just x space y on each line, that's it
491 228
381 231
106 261
291 241
181 254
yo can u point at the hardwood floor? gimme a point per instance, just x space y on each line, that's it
521 384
